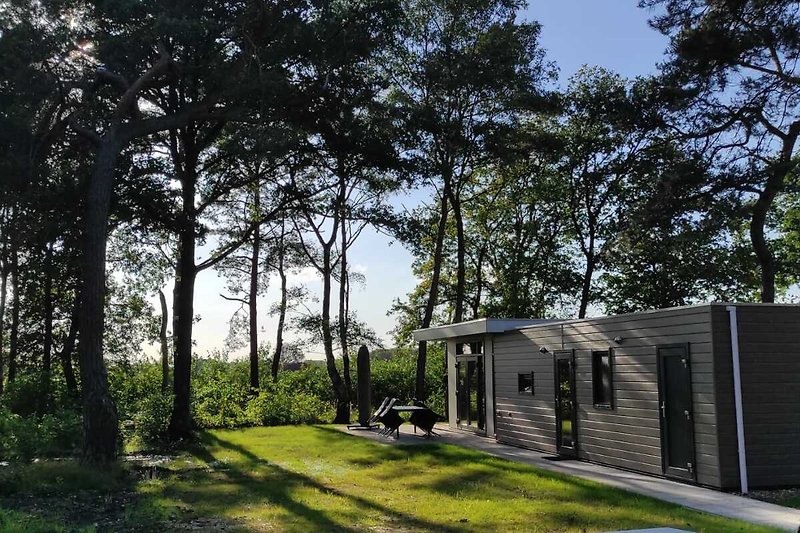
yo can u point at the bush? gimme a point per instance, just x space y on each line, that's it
136 389
28 395
51 435
310 379
151 421
280 404
221 393
396 377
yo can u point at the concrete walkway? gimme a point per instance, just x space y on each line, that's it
706 500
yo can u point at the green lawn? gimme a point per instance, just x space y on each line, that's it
318 479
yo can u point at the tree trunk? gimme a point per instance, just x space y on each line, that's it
476 304
586 286
775 184
3 293
253 296
433 294
180 424
13 343
339 388
99 411
343 306
65 355
276 358
162 336
461 274
47 351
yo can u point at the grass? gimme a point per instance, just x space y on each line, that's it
299 479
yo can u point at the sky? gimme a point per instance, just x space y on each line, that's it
610 33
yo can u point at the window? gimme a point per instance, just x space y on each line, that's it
602 384
525 383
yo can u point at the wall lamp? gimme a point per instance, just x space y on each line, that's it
618 339
543 349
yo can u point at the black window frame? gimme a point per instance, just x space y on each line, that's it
522 375
597 381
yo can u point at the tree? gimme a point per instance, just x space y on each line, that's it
606 128
736 60
350 152
283 256
248 271
464 74
528 267
194 64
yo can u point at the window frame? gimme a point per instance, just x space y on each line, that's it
597 384
533 383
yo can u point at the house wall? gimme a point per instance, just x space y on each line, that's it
627 436
769 351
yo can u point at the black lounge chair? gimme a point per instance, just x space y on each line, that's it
379 411
372 420
425 419
391 419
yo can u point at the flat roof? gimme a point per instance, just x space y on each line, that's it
480 326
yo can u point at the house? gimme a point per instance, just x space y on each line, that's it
708 394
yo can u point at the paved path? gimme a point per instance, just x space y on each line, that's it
707 500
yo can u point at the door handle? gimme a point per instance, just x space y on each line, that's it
688 415
663 410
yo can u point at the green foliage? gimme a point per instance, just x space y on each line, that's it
221 392
394 377
279 404
136 389
310 379
38 421
223 398
28 395
51 435
151 419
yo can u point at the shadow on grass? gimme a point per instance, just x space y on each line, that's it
557 500
276 485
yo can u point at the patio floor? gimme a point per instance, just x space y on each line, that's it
702 499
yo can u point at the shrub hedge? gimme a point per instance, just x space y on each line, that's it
221 397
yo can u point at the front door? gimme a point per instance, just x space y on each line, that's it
566 407
470 395
675 406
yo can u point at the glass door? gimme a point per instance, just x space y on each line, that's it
566 407
470 394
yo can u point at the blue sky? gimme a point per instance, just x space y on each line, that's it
609 33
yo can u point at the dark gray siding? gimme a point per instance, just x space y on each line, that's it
627 436
769 347
525 420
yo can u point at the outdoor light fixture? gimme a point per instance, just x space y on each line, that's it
618 339
543 349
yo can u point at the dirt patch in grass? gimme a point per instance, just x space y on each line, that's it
104 512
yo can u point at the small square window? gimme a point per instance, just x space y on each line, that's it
602 379
525 383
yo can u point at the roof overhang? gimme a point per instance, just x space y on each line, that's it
473 328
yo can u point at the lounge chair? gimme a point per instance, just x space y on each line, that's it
379 411
425 419
390 419
372 420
